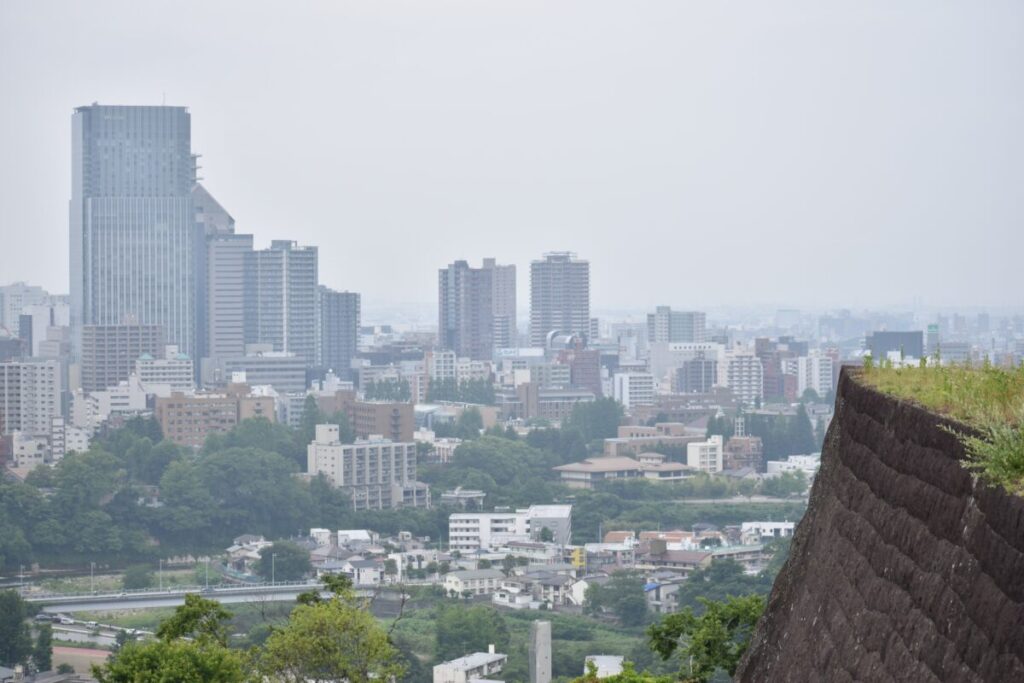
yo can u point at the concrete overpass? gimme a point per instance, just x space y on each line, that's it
282 591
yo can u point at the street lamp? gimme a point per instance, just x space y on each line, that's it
160 573
273 568
92 581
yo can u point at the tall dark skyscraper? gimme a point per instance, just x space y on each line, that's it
339 330
559 296
132 222
465 310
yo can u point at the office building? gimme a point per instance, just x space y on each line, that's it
696 376
338 331
471 531
133 228
377 474
633 389
173 370
666 325
559 296
109 352
226 257
392 420
285 372
465 310
14 298
705 456
281 296
503 304
909 344
188 419
30 396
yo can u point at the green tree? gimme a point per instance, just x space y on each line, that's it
330 640
716 639
470 424
629 675
42 652
190 648
180 661
461 629
15 635
283 561
598 419
138 576
622 595
199 619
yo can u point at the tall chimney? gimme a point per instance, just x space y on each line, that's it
540 652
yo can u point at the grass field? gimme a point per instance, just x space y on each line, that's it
987 398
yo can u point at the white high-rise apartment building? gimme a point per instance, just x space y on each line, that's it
744 375
377 473
813 371
705 456
30 396
281 295
633 389
559 296
133 225
503 304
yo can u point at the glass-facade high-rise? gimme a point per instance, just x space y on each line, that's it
133 226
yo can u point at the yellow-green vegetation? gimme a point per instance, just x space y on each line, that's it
987 398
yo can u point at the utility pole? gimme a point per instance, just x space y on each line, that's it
273 569
207 572
160 573
92 581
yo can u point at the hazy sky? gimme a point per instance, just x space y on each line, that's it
697 153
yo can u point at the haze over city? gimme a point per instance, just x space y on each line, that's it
785 154
511 341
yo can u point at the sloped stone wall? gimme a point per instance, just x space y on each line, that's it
903 568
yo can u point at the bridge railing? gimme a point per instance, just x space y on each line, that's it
38 596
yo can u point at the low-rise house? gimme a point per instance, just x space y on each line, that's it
684 560
756 532
752 557
515 593
363 572
244 552
473 581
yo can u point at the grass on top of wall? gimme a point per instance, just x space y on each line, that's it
988 398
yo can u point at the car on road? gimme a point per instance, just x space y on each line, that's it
92 624
66 620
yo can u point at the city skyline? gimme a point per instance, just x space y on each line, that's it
757 174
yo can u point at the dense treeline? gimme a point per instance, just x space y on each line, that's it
781 435
134 497
131 498
479 391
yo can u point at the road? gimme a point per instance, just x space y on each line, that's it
167 598
738 499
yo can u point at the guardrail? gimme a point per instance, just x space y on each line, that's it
35 596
